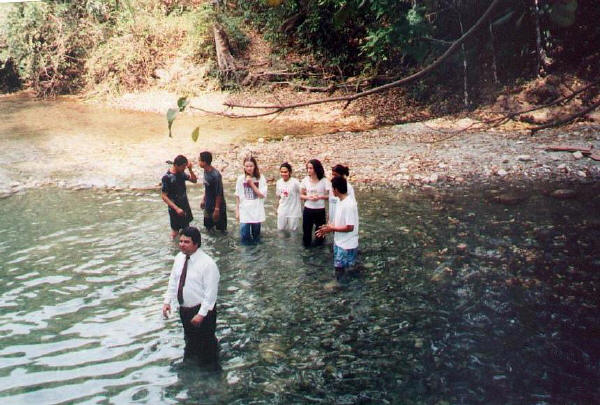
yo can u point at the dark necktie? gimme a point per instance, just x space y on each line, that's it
182 281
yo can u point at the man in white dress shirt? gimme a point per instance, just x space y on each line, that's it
194 282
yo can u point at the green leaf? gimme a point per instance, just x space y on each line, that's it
195 134
171 114
182 102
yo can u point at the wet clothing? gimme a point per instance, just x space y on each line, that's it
333 201
199 296
213 188
346 214
250 233
201 344
173 184
344 258
312 217
320 188
252 208
314 211
220 225
290 207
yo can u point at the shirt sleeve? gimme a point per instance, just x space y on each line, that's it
350 215
277 189
262 186
165 184
211 288
173 284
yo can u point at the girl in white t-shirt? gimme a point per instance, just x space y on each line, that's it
250 194
314 191
338 171
289 209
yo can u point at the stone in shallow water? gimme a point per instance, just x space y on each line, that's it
332 286
563 193
509 198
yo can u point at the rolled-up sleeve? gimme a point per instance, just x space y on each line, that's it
211 288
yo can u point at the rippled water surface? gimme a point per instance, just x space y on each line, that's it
460 300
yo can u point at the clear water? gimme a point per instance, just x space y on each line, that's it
511 318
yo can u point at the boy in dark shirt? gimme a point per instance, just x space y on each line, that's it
213 202
174 194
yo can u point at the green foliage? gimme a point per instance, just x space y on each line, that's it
49 41
129 57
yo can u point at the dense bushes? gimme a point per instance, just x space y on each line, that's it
114 45
49 43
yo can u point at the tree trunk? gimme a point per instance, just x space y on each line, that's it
494 65
541 52
225 60
465 65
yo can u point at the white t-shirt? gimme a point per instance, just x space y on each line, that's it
346 213
289 198
252 208
321 188
333 200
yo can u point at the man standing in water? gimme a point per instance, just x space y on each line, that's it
174 194
213 202
194 281
345 228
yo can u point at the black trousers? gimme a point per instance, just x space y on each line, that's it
200 341
310 217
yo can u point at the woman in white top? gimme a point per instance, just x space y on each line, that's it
338 171
289 209
314 191
250 194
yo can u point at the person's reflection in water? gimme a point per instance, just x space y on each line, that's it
194 281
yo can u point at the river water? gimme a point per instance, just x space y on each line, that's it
510 318
460 300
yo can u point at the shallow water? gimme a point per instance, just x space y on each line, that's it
74 144
512 317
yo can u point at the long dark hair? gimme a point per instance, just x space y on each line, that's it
341 170
319 171
256 172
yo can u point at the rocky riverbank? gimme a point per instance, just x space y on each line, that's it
130 152
417 155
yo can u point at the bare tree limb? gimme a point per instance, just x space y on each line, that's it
229 115
409 79
566 119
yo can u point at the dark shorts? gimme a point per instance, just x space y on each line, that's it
220 225
178 222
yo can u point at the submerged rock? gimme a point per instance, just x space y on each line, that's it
563 193
509 198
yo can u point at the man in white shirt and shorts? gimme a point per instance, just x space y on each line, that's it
345 228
